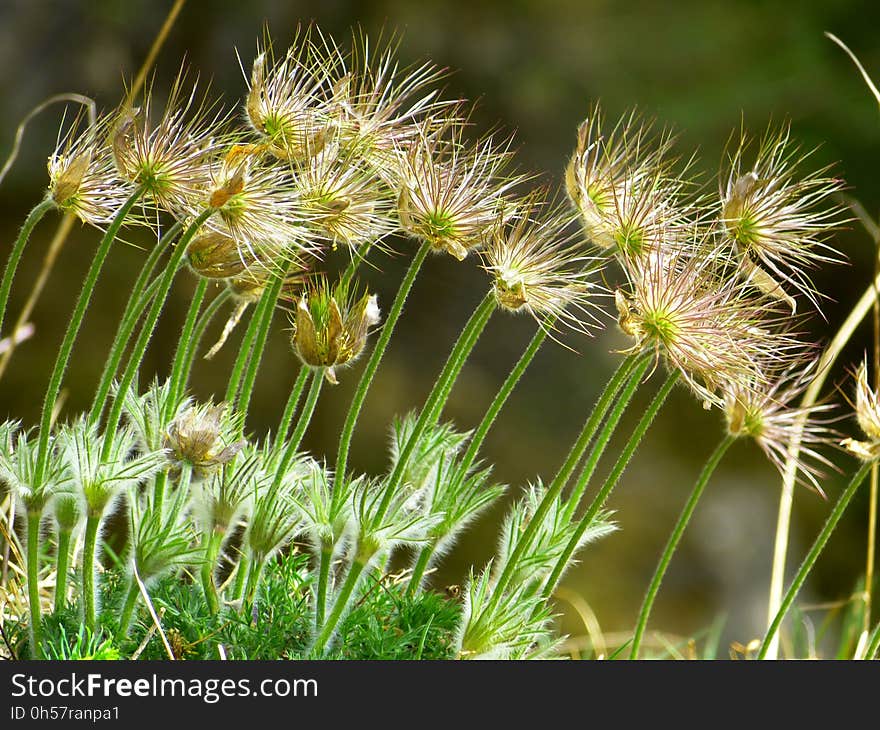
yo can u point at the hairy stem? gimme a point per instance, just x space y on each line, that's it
184 343
501 397
363 387
131 599
34 217
90 549
325 565
73 327
340 605
204 320
812 556
624 371
62 565
140 346
258 345
33 576
672 543
212 551
610 481
292 402
141 295
438 396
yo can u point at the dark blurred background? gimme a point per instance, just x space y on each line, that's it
535 66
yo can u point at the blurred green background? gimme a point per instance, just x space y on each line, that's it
535 66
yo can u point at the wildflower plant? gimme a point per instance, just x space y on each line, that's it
344 147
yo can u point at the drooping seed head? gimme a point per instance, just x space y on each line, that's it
867 410
82 176
538 265
621 184
769 415
331 325
204 437
702 322
289 101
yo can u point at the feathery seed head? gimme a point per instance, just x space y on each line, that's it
258 207
765 413
451 194
331 325
702 323
380 104
289 101
345 203
777 218
621 183
169 157
537 266
82 177
868 416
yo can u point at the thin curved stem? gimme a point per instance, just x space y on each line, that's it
630 370
501 397
90 549
292 403
324 566
204 320
363 387
420 566
610 481
439 395
623 374
244 350
343 598
812 556
73 327
128 607
305 418
786 497
34 217
140 346
589 468
290 448
141 295
185 342
259 345
672 543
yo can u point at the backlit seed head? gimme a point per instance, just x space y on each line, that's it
346 204
82 177
621 183
452 194
766 413
538 266
777 218
203 437
330 326
258 207
169 156
701 322
289 101
868 416
381 105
